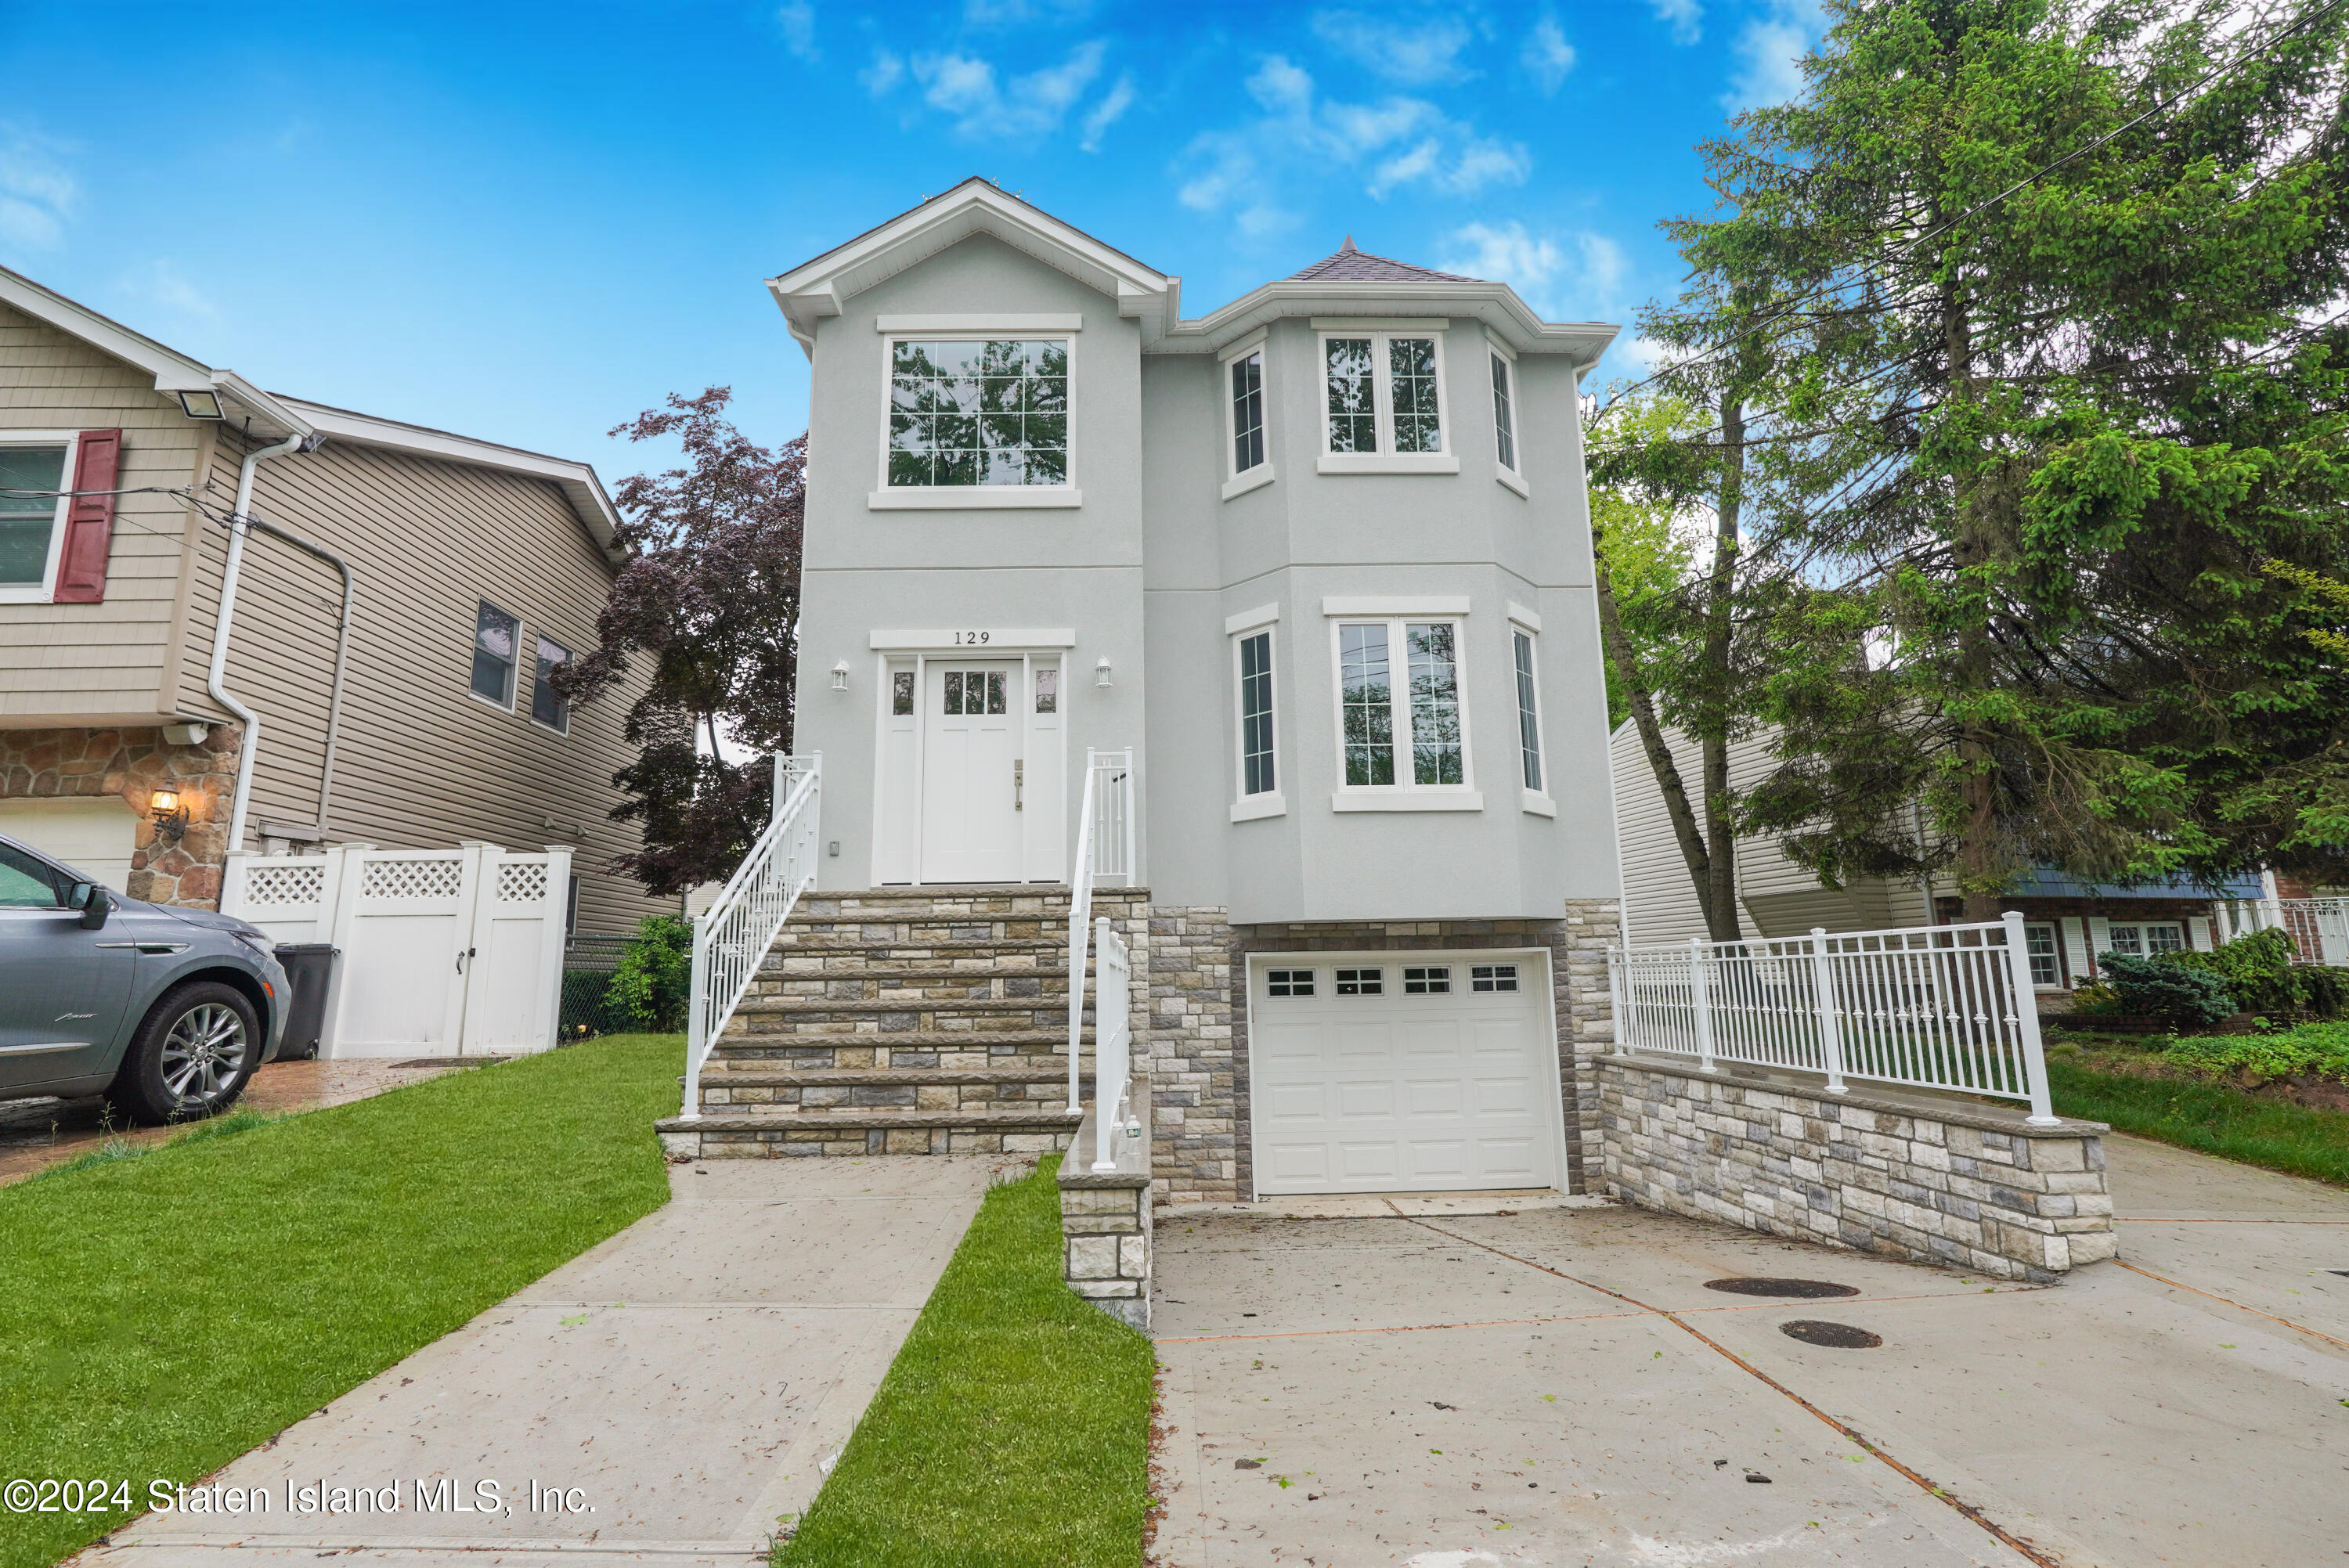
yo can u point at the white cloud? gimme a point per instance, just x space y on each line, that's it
162 283
1021 109
1573 277
1105 114
38 195
1414 54
1686 16
1770 53
1546 55
885 73
1023 13
1303 140
797 19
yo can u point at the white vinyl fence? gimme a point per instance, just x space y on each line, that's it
1943 1006
443 951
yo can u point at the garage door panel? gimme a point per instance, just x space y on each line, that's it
1404 1090
95 835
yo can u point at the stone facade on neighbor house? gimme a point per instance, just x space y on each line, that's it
130 764
1923 1177
456 548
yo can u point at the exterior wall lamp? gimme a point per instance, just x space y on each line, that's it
839 676
1100 671
201 405
171 813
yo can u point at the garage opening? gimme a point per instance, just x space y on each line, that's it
95 835
1403 1072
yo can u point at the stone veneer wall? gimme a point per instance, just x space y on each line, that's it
64 764
1105 1218
1189 1052
1932 1180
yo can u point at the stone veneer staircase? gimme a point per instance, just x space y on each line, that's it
928 1020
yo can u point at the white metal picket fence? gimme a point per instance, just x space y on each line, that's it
1943 1007
1104 853
441 952
731 938
2319 927
1113 1042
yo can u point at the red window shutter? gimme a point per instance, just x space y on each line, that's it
89 519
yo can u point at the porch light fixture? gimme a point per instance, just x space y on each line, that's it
201 405
171 813
1100 671
839 676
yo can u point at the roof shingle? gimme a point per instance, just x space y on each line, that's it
1349 266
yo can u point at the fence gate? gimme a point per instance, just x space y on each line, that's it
443 951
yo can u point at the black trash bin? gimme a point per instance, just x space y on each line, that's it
310 969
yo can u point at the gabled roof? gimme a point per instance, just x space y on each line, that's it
1349 266
274 416
816 289
1350 282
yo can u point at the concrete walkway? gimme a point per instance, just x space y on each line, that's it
664 1398
1557 1387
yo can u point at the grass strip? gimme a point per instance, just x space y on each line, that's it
162 1314
1012 1429
2214 1117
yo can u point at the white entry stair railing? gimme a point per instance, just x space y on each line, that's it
1941 1007
1113 1043
2319 927
731 938
1104 853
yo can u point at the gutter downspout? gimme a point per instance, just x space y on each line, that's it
342 655
239 524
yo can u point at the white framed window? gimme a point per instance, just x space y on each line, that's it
1492 977
1427 980
497 640
1529 735
1257 772
1383 401
36 470
571 907
1505 423
546 705
2144 939
1289 982
977 413
1360 981
1402 729
2039 946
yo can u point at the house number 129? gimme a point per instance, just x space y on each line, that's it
971 639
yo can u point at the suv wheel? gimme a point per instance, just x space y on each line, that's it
191 1056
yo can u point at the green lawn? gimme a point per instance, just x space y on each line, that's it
2212 1116
162 1314
1012 1429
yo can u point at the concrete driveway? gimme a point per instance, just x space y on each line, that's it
1557 1386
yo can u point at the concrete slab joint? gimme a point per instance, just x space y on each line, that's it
1930 1178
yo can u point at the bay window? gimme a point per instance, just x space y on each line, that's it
1383 401
1403 736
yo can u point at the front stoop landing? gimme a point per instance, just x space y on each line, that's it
929 1020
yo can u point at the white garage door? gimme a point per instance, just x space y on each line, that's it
1384 1072
94 836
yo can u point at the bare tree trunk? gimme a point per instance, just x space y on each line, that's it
1652 739
1721 903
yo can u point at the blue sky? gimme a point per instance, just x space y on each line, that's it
527 222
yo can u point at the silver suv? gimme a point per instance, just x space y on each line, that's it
165 1011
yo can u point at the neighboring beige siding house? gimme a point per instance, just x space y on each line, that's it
2067 923
459 550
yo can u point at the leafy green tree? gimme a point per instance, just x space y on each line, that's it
655 972
2046 296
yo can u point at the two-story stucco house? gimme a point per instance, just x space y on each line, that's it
401 596
1315 566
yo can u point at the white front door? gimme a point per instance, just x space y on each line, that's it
971 772
1402 1072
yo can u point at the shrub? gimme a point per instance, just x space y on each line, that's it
2095 1000
2261 976
2317 1049
654 974
2182 995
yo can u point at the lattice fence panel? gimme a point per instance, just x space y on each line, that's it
521 884
413 879
285 885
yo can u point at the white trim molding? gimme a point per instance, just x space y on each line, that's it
1345 324
1507 480
1422 800
1372 604
972 640
1256 477
1387 463
975 498
1535 803
1253 808
1247 345
978 322
1524 617
1249 620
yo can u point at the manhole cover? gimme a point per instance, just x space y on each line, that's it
1808 1289
1839 1335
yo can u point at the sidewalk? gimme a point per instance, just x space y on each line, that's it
668 1398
